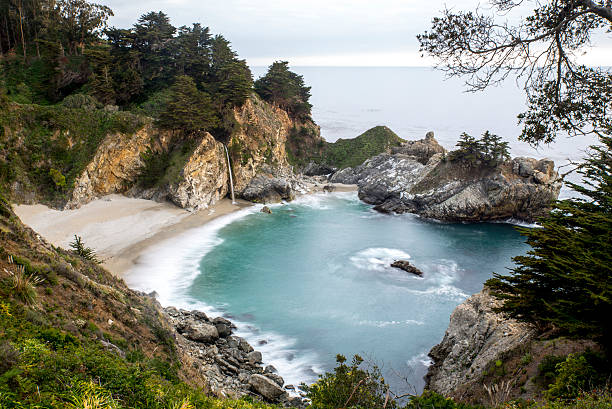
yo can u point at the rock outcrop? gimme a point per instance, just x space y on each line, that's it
422 150
407 267
475 337
231 366
318 169
204 179
116 164
522 188
266 189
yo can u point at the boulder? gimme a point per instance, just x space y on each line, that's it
318 169
329 188
201 332
407 267
224 330
244 345
266 387
266 210
254 357
265 189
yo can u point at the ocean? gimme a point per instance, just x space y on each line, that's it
313 279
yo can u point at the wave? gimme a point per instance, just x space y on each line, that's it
421 359
378 258
170 267
324 200
437 281
383 324
520 223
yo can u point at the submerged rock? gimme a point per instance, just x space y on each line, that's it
266 209
407 267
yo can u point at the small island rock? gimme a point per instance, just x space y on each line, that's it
407 267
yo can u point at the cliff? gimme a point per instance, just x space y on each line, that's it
193 174
418 178
484 348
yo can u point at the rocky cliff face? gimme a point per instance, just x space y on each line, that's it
259 141
202 179
257 151
116 164
476 336
418 179
483 349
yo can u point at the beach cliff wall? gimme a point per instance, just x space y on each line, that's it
256 149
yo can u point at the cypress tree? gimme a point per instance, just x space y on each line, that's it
189 109
565 280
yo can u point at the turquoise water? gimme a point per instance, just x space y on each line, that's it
313 280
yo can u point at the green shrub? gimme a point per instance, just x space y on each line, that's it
577 374
349 386
58 339
433 400
85 252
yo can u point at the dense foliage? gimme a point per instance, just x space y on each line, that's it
541 48
126 67
285 89
346 153
350 386
489 150
566 279
43 149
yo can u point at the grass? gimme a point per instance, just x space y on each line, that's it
343 153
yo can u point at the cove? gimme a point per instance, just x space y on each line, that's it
313 280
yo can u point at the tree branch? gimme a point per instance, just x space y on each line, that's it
604 12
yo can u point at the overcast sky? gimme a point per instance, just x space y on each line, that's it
317 32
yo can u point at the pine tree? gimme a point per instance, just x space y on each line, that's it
566 279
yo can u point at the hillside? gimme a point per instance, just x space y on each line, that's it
343 153
70 332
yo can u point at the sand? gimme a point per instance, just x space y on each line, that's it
120 229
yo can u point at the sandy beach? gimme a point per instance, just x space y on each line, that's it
120 228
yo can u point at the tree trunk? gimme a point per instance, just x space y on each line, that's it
21 28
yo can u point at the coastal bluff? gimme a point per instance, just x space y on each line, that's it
420 177
483 349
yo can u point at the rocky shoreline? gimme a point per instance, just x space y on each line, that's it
229 363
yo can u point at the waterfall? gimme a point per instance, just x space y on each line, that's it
229 168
